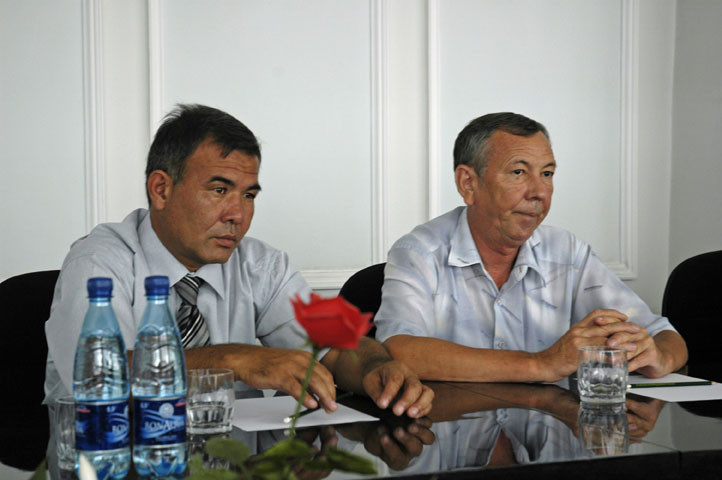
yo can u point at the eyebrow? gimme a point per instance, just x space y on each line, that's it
231 183
525 163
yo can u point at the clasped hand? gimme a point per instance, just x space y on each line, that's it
602 327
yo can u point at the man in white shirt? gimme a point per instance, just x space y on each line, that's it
484 293
201 181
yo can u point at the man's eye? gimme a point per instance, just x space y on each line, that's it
517 172
548 174
250 195
220 190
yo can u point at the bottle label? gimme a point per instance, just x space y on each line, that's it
160 421
102 425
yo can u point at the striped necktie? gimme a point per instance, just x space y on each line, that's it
192 326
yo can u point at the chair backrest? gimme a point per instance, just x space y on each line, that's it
26 303
693 303
363 289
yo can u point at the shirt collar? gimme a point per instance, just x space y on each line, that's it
463 251
526 259
162 262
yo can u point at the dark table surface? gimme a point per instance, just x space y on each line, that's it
498 430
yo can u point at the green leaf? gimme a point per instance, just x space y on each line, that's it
195 464
229 449
273 468
288 448
349 462
198 471
41 473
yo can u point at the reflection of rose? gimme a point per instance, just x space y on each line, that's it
332 322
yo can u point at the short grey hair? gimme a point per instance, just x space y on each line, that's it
472 144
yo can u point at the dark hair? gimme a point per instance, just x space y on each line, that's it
472 143
186 127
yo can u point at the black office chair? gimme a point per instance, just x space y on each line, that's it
25 301
693 303
363 289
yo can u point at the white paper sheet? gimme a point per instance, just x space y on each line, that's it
254 414
687 393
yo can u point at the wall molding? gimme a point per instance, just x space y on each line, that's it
625 266
155 65
379 130
434 108
93 115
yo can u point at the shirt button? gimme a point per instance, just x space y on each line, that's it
500 344
498 301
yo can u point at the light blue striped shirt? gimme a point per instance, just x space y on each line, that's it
436 286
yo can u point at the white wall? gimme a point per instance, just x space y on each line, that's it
42 183
696 195
139 60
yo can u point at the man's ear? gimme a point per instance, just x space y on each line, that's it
160 187
467 181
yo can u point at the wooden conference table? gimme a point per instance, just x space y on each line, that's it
514 431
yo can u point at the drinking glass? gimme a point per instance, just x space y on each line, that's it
602 375
210 400
64 423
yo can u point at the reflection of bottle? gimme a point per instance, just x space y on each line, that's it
100 387
159 388
604 429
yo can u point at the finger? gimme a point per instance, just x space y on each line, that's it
292 386
422 406
639 361
323 388
602 313
324 391
601 321
412 392
384 385
607 330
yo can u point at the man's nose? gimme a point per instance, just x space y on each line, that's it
234 212
539 188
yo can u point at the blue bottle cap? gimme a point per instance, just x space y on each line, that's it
100 287
156 285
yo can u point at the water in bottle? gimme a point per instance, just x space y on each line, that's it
159 388
101 387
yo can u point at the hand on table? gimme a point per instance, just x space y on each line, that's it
285 370
643 353
561 359
393 381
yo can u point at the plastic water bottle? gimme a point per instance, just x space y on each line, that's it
101 387
159 388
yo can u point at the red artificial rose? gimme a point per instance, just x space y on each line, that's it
332 322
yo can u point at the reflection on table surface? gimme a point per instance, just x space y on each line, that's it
475 425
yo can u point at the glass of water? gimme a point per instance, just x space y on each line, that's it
64 424
602 375
210 400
